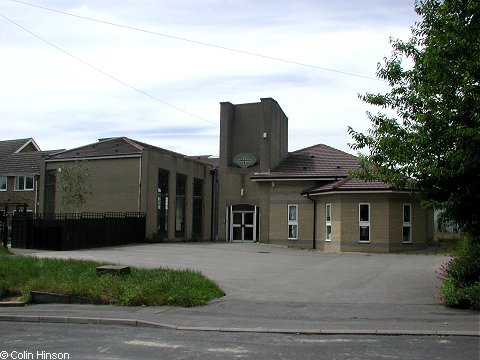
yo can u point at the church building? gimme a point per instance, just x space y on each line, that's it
256 191
305 198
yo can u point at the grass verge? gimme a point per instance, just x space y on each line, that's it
20 275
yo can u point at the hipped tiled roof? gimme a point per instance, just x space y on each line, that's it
318 161
116 147
112 147
350 184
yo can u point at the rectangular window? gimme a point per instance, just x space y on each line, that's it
180 205
407 223
197 209
162 203
23 183
364 222
328 222
3 183
292 222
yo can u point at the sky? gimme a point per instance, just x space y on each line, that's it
160 77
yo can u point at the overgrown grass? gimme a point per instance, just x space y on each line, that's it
20 275
461 277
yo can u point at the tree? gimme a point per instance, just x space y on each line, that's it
74 185
432 146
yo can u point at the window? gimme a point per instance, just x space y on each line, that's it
23 183
197 209
364 222
407 223
162 203
180 205
328 222
3 183
292 222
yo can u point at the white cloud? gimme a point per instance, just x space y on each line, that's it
61 102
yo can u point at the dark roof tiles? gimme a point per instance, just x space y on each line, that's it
318 161
103 148
350 184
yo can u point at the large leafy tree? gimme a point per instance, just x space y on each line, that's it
432 144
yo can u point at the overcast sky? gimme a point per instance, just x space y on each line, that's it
63 103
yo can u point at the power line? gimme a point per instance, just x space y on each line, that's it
200 42
105 73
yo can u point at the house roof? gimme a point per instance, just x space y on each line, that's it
27 163
314 162
18 158
349 184
8 147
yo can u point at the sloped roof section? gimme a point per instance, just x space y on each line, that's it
8 147
314 162
23 163
21 157
115 147
349 184
112 147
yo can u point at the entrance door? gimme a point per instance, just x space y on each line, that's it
243 223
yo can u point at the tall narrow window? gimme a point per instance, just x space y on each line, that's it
364 222
292 222
3 183
162 203
328 222
50 190
197 209
407 223
180 205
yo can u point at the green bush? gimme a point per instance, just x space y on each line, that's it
461 277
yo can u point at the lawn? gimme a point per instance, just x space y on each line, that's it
20 275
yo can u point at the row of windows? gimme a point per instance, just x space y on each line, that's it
22 183
180 204
363 222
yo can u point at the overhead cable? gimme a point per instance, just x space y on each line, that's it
200 42
107 74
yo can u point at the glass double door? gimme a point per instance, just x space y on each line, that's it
243 224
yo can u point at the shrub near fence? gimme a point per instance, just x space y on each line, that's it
76 231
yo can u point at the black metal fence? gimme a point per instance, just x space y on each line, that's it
76 231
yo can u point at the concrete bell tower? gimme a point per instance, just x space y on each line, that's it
253 138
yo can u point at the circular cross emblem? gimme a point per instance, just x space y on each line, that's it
245 160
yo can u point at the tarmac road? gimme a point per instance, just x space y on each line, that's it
276 289
258 272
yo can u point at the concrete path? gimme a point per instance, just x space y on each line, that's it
275 288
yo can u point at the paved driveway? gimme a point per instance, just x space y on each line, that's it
259 272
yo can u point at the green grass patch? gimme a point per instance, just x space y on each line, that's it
20 275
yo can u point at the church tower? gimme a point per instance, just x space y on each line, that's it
253 139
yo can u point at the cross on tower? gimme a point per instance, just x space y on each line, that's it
245 160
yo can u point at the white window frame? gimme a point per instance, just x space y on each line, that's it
24 180
407 224
328 221
292 222
6 183
363 223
